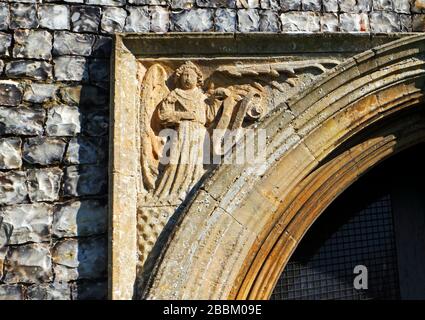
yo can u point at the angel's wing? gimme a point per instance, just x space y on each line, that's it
153 91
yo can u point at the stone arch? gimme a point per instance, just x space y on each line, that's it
242 226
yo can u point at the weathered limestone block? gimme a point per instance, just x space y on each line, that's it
4 16
85 18
87 257
84 95
85 180
69 43
182 4
353 22
13 188
35 44
270 4
84 290
99 70
248 20
269 21
54 16
10 153
80 218
44 184
381 21
160 19
248 4
22 120
106 2
196 20
216 3
225 20
102 47
330 5
138 19
86 150
289 5
29 263
355 6
35 70
402 6
10 93
405 23
49 291
311 5
5 42
96 123
69 68
329 22
23 16
43 150
11 292
418 23
63 121
31 222
40 92
300 22
113 20
383 5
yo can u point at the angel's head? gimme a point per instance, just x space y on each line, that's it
188 76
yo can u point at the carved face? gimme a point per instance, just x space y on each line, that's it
188 79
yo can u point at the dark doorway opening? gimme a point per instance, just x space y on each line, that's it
378 223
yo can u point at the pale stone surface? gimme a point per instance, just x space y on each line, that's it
401 6
36 44
113 20
160 19
330 5
329 22
384 22
106 2
182 4
382 5
11 292
63 121
350 22
270 4
300 22
51 291
21 120
225 20
405 23
5 42
248 20
54 16
29 263
248 4
43 150
39 92
85 18
80 218
216 3
138 19
44 184
69 43
355 6
10 93
311 5
35 70
10 153
30 222
23 16
269 21
69 68
85 180
4 16
289 5
86 150
195 20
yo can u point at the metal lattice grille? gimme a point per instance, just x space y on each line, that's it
323 269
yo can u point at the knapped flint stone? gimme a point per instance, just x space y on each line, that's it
65 274
23 16
87 257
10 93
418 23
383 5
13 188
44 184
270 4
113 20
160 19
402 6
6 230
4 16
329 22
225 20
330 5
85 18
1 66
89 290
80 218
10 153
95 123
300 22
405 23
40 92
5 42
11 292
248 4
68 43
35 70
70 68
138 20
381 21
102 46
54 16
43 150
216 3
269 21
248 20
150 2
29 263
85 180
35 44
84 95
63 121
99 70
196 20
31 222
289 5
182 4
355 6
311 5
106 2
86 150
353 22
49 291
21 121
